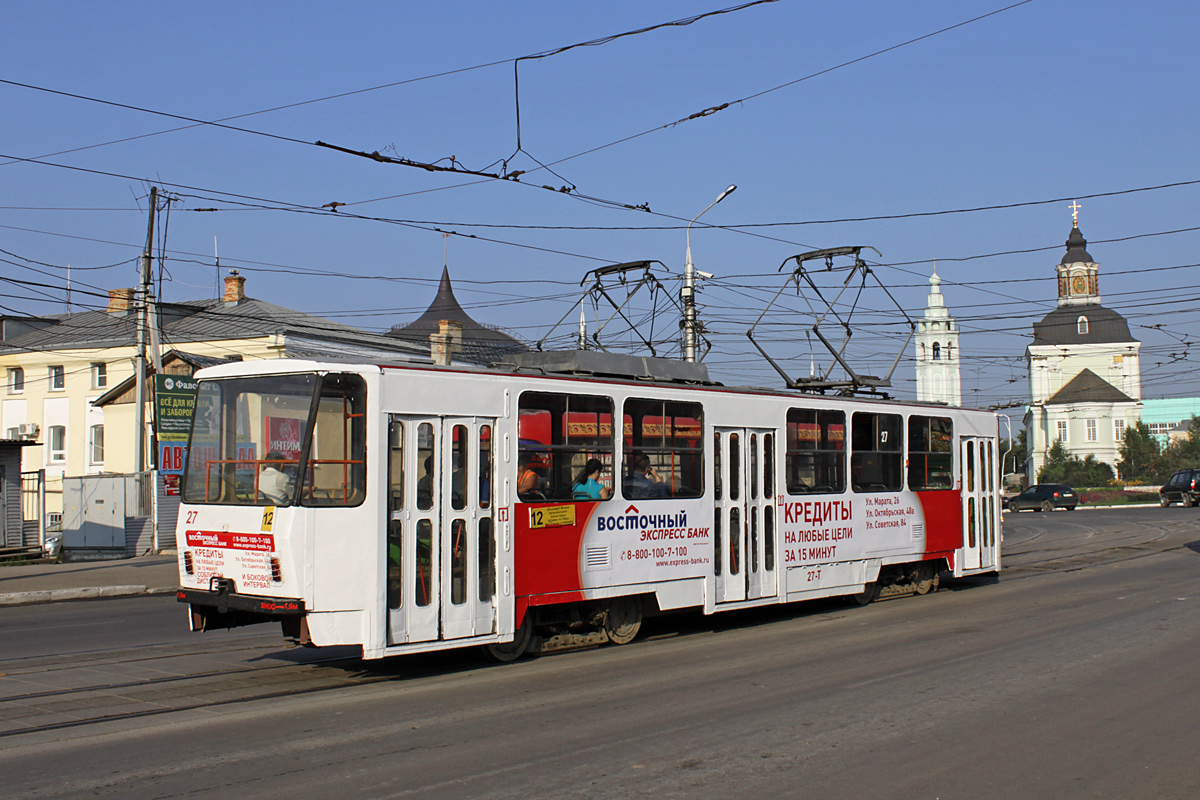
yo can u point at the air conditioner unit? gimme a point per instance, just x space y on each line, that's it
28 430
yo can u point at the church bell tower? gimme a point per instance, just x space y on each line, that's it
938 379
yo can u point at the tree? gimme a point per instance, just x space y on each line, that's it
1139 453
1056 464
1062 467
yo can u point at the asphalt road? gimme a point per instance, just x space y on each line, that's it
1072 675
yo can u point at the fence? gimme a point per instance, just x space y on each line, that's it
33 508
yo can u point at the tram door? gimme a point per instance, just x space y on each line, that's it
980 521
744 514
441 568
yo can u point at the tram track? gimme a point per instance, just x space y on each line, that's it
101 703
1081 546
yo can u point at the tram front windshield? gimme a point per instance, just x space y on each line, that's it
277 440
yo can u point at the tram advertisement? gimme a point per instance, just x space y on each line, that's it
850 528
601 544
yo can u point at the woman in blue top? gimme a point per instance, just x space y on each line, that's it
586 486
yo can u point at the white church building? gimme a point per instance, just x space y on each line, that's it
1084 370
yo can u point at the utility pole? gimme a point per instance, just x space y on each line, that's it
139 432
687 294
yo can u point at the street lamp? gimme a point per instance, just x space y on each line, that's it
688 293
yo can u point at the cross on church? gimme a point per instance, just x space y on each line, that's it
1075 212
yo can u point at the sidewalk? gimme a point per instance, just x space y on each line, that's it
45 582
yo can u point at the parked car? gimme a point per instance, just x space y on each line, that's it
1046 496
1183 488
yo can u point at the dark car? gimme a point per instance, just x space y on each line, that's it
1183 488
1046 496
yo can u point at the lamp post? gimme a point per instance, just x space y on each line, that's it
687 294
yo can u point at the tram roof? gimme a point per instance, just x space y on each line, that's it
296 365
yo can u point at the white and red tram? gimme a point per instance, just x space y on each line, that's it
412 507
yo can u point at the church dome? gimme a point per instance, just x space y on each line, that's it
1062 326
1076 248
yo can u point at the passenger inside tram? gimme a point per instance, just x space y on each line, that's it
642 482
587 486
425 485
529 482
273 482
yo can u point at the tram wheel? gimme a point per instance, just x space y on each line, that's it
511 651
869 593
623 619
927 580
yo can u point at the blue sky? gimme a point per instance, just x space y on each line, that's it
1051 99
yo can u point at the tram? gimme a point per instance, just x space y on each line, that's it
414 507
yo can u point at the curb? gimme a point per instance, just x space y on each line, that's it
88 593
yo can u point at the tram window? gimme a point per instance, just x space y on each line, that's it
754 539
970 466
718 551
336 471
395 564
424 561
877 452
815 458
458 562
970 521
735 466
735 540
664 449
487 560
557 435
485 466
768 465
717 465
753 466
769 537
459 447
930 453
247 434
396 466
426 467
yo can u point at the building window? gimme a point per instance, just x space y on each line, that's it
99 375
949 350
1119 430
58 444
937 351
1062 431
16 380
1082 325
58 378
1091 430
96 437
